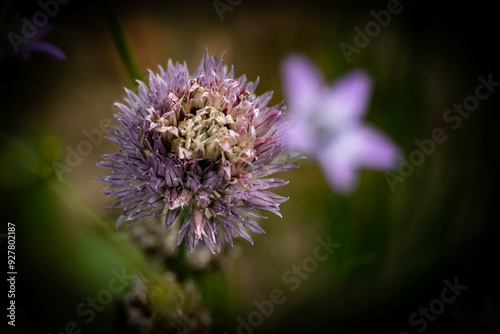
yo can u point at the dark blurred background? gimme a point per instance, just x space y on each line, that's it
396 247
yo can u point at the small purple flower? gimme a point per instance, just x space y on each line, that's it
204 143
24 36
326 123
36 44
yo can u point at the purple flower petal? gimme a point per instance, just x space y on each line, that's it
354 148
44 47
375 150
302 82
338 170
347 100
301 136
170 217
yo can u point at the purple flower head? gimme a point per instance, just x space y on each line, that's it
326 123
204 143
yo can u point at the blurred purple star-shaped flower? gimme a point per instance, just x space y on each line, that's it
326 123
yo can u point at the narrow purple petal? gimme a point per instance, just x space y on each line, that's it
170 217
354 148
347 100
302 83
339 172
44 47
376 150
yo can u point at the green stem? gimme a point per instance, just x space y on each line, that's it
120 41
70 196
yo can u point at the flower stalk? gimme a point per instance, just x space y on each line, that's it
119 39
